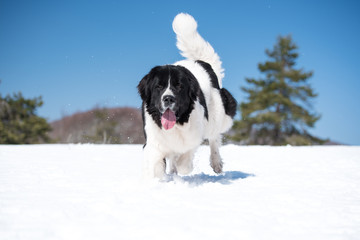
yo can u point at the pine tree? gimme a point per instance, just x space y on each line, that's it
19 123
279 109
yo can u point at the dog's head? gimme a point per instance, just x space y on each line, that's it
169 92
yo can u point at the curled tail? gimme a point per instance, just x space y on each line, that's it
193 46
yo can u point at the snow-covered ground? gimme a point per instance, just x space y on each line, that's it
96 192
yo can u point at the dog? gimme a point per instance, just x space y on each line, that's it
184 104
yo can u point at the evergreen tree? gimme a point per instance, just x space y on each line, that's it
278 110
19 123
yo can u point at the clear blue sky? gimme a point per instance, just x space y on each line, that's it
79 54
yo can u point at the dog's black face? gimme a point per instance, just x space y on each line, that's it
170 87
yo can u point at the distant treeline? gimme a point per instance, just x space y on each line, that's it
20 124
100 125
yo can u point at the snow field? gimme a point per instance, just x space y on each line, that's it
96 192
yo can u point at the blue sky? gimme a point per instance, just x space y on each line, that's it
82 54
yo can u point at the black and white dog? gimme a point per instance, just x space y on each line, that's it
183 104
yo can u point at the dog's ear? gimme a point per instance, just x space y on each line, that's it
194 86
195 92
143 87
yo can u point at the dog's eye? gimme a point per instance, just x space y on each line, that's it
179 87
159 87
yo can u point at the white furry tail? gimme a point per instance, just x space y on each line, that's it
193 46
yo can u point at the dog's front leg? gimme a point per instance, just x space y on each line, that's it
153 163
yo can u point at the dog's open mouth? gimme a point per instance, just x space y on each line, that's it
168 119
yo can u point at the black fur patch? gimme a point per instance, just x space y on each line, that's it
213 78
228 100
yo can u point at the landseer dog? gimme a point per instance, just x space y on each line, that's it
184 104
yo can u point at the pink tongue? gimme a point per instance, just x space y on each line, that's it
168 119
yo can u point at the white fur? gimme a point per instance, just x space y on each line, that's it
193 46
179 143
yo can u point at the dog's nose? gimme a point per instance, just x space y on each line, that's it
168 100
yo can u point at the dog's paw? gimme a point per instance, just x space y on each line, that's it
217 167
216 163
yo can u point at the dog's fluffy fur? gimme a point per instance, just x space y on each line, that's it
192 90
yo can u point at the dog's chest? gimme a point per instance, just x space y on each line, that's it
180 138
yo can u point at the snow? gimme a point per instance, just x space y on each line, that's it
96 192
